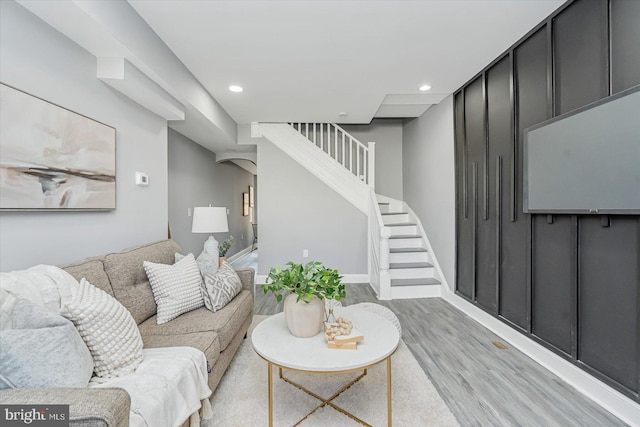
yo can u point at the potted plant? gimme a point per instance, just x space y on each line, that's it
223 249
309 285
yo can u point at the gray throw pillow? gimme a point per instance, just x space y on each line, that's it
39 348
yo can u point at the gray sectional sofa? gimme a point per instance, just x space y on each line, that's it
218 335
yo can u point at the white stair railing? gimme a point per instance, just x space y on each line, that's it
355 156
378 250
359 160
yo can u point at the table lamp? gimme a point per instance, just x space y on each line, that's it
210 220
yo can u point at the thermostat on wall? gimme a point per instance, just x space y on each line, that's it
142 180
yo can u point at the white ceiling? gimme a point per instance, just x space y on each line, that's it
310 60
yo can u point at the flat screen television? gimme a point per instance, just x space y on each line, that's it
586 161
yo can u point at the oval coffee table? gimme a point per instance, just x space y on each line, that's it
273 342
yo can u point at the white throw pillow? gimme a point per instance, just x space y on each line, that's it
176 288
206 263
107 328
221 287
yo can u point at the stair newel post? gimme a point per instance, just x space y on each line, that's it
371 161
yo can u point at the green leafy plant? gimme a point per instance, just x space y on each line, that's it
307 281
224 246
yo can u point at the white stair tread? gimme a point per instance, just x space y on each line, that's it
406 236
414 282
396 265
383 203
401 250
402 224
394 213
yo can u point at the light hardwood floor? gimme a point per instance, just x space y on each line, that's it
483 385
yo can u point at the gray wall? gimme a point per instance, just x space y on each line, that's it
39 60
298 211
429 179
195 179
387 134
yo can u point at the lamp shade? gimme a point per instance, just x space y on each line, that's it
209 220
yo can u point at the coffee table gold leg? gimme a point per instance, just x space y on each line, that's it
270 396
389 391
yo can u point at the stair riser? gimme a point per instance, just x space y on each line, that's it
409 257
384 208
411 273
405 292
402 230
405 243
395 219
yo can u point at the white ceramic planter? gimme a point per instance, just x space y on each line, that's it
304 319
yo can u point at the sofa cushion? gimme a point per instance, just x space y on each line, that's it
39 348
91 269
176 288
206 342
107 328
226 322
129 281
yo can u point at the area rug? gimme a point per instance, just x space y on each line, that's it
241 399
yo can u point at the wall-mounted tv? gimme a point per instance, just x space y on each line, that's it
586 161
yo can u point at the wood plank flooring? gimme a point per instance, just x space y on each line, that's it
482 384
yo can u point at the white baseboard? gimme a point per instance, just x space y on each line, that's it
605 396
355 278
240 254
261 279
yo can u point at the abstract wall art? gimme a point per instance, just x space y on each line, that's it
52 158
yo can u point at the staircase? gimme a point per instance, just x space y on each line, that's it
412 272
400 264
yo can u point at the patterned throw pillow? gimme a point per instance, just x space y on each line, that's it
221 287
107 328
176 288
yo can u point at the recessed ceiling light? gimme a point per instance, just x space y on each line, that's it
343 114
235 88
424 88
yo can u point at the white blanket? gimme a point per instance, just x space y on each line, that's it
167 387
44 285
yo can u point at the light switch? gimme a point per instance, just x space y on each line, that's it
142 179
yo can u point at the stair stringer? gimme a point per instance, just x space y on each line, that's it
439 274
316 161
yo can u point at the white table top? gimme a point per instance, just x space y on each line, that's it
272 340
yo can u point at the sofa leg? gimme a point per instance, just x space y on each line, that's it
245 336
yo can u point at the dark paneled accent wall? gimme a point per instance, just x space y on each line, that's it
569 282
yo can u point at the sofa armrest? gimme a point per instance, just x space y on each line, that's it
247 277
99 407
